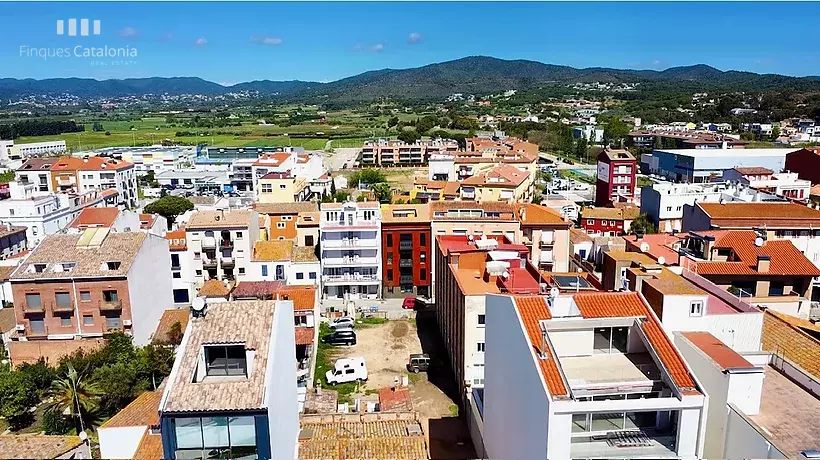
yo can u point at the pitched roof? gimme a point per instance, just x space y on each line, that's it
503 175
286 208
304 335
338 438
669 355
533 214
577 236
770 214
308 219
753 170
262 290
150 447
533 309
147 221
204 220
37 164
98 163
168 319
7 320
143 411
785 258
303 297
717 351
272 251
395 399
36 446
177 240
214 288
617 213
94 253
67 163
403 213
95 217
6 271
610 304
247 322
303 254
50 350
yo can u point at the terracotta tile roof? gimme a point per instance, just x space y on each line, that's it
67 163
37 164
610 304
303 254
272 251
669 356
815 190
533 214
533 309
143 411
206 220
503 175
147 221
286 208
6 231
36 446
95 217
7 320
214 288
303 297
304 335
505 210
576 236
748 215
786 259
262 290
98 163
621 213
272 159
753 171
51 350
403 213
717 351
247 322
451 188
177 240
308 219
150 447
91 260
395 400
6 271
343 439
168 319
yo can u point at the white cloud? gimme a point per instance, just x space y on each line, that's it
128 32
269 41
201 41
656 62
374 48
377 47
414 38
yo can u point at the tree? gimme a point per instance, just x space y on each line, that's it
775 133
75 395
425 124
367 176
393 121
332 186
581 148
409 136
175 333
642 224
7 176
16 398
615 131
169 207
97 127
382 192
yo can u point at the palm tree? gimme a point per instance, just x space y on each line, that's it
74 395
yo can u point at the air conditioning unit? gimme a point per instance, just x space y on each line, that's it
20 328
126 323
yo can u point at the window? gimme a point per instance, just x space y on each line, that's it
181 296
423 239
280 225
590 221
176 275
312 275
65 321
389 241
611 223
423 257
37 326
669 208
113 323
174 261
696 308
227 360
264 270
309 240
215 437
423 274
63 299
112 265
88 320
110 296
389 258
608 340
85 296
482 319
280 272
198 272
39 268
480 347
300 276
241 270
33 302
389 275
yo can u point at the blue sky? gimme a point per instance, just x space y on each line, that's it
234 42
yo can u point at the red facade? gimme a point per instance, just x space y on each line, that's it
407 259
616 178
604 227
806 163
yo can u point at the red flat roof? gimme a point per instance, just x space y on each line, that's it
722 355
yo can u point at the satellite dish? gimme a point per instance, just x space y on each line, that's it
758 241
198 304
661 260
554 292
644 246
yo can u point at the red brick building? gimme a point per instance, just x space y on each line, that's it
616 177
806 163
406 250
608 221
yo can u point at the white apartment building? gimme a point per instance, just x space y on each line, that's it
785 184
221 243
664 202
35 175
47 214
590 376
38 148
106 173
156 158
350 240
182 268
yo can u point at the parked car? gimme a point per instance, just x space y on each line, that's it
409 303
418 362
340 337
347 370
344 322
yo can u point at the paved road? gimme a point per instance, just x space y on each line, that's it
340 157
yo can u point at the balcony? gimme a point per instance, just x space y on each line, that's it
62 308
208 242
209 262
27 308
355 260
227 261
226 244
405 245
111 305
547 239
624 444
342 224
406 279
66 181
351 243
406 263
348 278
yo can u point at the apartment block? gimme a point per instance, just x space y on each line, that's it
617 172
595 376
384 152
283 219
35 173
282 260
351 248
86 285
282 188
182 267
221 243
603 221
546 234
232 388
156 158
785 184
406 244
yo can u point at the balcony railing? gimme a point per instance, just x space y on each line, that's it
350 261
111 305
407 279
349 277
227 261
405 245
351 243
344 223
209 263
27 308
32 333
406 263
208 242
226 244
58 307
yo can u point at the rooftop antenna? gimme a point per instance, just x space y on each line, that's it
198 307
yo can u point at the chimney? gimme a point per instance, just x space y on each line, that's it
763 262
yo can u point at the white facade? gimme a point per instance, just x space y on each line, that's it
698 165
120 442
149 287
281 396
222 252
45 214
39 148
6 151
521 419
123 180
441 167
158 158
350 240
182 276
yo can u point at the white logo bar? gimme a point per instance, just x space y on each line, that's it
86 27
